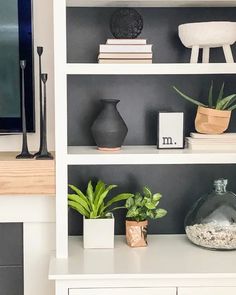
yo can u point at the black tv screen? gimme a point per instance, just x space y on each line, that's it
15 45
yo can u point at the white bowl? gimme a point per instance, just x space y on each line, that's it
208 34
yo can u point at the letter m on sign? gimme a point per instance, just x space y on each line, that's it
167 140
170 130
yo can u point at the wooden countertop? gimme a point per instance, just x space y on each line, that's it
26 177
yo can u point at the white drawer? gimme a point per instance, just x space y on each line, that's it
207 291
124 291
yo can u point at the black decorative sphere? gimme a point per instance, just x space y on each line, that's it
126 23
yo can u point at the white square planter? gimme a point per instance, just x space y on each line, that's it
99 233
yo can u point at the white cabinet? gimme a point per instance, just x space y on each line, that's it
170 265
207 291
125 291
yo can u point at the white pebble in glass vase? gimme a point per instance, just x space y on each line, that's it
211 223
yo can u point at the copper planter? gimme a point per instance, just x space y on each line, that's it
211 121
136 233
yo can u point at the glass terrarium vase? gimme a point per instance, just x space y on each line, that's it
211 223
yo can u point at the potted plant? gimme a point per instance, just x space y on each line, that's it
213 117
97 211
141 207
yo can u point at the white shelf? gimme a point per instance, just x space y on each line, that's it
170 257
141 155
150 69
151 3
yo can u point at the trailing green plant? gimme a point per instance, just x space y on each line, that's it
92 204
143 206
220 103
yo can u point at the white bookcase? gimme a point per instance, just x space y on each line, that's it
63 269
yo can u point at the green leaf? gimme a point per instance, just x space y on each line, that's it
232 108
93 215
103 196
99 189
222 104
118 208
150 214
142 216
138 199
108 215
160 213
221 93
132 212
230 102
147 192
118 198
76 206
129 202
194 101
101 209
90 192
78 192
210 96
157 197
78 199
146 200
151 205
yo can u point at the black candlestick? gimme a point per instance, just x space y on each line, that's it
40 53
25 154
44 154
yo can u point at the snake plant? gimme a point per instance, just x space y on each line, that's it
220 103
92 204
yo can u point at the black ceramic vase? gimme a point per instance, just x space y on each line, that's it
109 129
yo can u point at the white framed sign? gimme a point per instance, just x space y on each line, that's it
170 130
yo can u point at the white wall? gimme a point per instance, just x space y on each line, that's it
43 36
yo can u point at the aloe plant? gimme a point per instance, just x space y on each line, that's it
220 103
92 204
143 206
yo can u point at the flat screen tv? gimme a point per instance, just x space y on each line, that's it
16 44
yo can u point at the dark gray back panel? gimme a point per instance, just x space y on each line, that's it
11 245
87 28
181 185
141 98
11 259
11 280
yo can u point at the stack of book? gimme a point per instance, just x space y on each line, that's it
125 51
209 142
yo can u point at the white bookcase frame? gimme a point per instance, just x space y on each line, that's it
130 155
60 60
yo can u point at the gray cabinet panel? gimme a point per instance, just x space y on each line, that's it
11 280
11 244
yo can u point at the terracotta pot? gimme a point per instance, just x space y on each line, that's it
136 233
211 121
